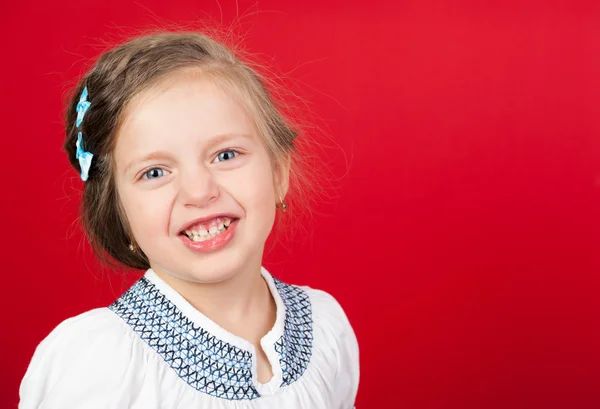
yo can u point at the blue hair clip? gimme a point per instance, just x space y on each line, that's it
85 158
82 106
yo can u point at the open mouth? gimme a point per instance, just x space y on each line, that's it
208 230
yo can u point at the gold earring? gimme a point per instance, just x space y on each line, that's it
282 205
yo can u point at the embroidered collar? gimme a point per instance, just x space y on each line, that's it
206 356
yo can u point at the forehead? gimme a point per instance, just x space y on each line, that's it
180 112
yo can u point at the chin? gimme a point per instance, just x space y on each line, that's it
215 269
211 275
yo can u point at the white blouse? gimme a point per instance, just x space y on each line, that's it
151 349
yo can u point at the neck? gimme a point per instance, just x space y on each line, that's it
232 303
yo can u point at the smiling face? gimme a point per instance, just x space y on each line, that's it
195 180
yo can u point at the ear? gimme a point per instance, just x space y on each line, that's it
281 177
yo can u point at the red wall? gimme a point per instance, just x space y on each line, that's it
463 237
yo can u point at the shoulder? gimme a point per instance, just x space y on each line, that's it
93 330
86 325
325 307
334 337
89 349
330 318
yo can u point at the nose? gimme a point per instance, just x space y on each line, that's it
197 187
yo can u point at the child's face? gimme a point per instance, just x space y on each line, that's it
196 182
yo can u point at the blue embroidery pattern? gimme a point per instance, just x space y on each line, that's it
295 346
206 363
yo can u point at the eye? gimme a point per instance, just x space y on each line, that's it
154 173
226 155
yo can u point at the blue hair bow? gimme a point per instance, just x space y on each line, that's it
84 158
82 106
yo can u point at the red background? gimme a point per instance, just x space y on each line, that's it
464 233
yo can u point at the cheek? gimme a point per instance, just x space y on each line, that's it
253 189
147 213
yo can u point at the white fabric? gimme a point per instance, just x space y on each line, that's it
96 360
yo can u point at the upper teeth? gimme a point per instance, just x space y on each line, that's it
216 227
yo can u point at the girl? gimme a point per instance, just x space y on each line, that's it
185 161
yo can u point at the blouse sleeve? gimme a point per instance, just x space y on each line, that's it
346 348
81 364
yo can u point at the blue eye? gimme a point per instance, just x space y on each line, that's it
154 173
226 155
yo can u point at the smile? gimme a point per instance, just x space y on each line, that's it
209 235
207 231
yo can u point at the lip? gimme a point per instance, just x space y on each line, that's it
213 244
205 219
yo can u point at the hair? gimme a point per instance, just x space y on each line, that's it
123 73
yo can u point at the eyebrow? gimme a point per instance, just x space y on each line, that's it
226 136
